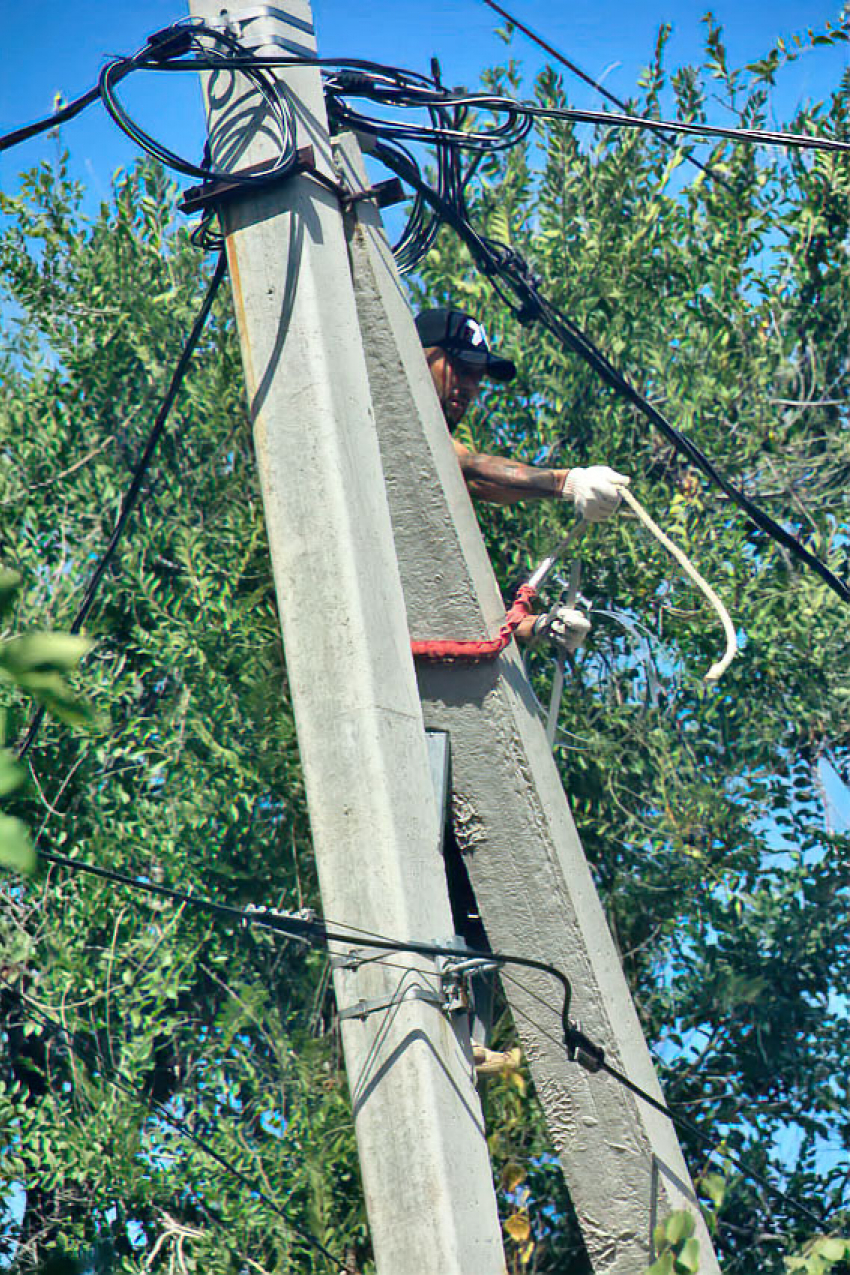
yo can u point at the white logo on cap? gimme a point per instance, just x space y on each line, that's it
476 333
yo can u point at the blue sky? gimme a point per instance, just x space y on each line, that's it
62 51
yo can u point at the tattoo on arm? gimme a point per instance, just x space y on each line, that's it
504 482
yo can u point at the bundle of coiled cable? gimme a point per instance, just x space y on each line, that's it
215 47
212 47
454 127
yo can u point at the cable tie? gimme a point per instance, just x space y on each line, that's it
354 82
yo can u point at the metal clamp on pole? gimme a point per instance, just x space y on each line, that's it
266 33
363 1008
583 1050
199 198
455 973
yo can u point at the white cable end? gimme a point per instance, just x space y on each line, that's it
717 670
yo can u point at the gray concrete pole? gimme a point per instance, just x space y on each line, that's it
373 812
532 884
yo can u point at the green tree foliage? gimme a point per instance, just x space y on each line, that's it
702 813
725 298
39 664
190 776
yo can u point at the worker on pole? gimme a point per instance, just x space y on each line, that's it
459 358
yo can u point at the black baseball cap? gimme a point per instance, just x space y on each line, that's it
462 336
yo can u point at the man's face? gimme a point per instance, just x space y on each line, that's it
456 383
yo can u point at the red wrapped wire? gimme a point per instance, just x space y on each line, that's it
479 649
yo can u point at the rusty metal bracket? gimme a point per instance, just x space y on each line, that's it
208 195
385 193
199 198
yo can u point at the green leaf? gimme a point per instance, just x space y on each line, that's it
679 1226
16 848
12 774
714 1185
51 690
834 1249
44 653
687 1259
9 585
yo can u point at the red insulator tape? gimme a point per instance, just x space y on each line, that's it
487 648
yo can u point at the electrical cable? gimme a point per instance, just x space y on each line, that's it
131 498
687 1126
579 1047
165 51
719 667
595 84
503 266
754 136
307 928
162 48
83 1051
595 1060
397 86
391 86
503 134
176 41
68 112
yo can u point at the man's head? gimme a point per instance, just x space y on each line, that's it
459 357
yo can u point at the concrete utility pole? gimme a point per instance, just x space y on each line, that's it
532 884
374 816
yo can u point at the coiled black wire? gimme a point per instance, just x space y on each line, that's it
204 40
454 127
215 49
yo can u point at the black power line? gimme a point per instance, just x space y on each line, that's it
579 1046
595 84
308 929
162 48
165 51
396 86
68 112
592 1058
503 265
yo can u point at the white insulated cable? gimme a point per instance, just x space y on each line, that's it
720 666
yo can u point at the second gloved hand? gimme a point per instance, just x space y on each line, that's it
594 491
564 627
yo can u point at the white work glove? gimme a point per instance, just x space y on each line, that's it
564 627
595 491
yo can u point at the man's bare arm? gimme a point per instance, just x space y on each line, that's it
501 481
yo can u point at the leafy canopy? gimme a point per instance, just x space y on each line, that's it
725 298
